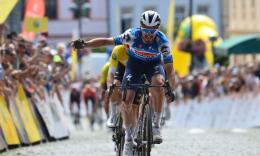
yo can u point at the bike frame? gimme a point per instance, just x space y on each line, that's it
143 147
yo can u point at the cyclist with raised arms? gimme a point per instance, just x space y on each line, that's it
146 47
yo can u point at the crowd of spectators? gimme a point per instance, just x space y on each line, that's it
39 67
219 81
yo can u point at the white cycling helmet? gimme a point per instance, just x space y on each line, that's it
150 18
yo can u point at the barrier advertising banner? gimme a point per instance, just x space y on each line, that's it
45 112
58 116
18 122
7 125
27 116
52 116
3 145
39 121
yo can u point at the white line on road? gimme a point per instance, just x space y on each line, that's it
196 131
239 130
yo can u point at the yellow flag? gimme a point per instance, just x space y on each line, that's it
170 22
34 24
74 63
6 6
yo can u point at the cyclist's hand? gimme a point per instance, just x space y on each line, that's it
78 44
171 96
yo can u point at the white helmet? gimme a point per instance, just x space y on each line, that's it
150 18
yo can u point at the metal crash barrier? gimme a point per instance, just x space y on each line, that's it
233 111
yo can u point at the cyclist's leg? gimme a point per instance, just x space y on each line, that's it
93 113
79 108
86 105
158 98
127 112
156 75
75 99
116 95
133 77
94 105
115 99
128 124
136 103
135 115
105 99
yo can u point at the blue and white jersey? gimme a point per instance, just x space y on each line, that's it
140 51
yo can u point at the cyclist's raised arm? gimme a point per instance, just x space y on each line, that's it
125 38
97 42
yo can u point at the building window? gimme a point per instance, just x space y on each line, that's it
233 10
81 8
253 3
234 3
253 14
51 9
203 9
126 19
179 14
150 8
243 14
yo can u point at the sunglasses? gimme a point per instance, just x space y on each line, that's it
149 31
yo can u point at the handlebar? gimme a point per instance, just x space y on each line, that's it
166 85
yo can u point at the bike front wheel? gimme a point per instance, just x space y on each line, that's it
120 136
147 131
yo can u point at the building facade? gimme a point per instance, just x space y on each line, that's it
126 13
211 8
240 17
63 23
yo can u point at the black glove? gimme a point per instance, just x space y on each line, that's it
78 44
172 96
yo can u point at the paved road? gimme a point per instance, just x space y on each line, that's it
178 142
